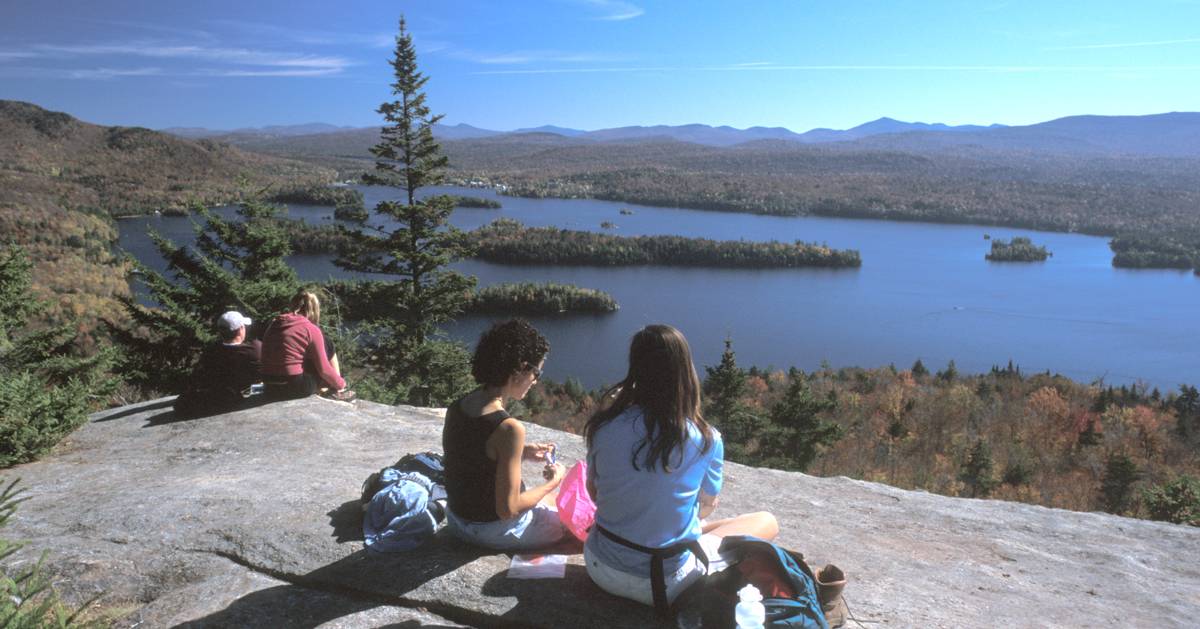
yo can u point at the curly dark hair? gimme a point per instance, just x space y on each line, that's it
505 349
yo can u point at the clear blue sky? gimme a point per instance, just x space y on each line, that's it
593 64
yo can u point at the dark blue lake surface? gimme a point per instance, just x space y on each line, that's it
924 291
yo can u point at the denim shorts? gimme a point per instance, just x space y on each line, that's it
638 588
536 528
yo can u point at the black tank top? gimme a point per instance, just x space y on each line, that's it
470 474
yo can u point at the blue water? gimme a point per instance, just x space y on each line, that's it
923 291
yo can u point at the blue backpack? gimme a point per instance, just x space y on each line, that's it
770 568
403 504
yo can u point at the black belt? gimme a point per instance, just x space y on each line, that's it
658 582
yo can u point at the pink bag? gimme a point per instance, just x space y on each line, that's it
575 506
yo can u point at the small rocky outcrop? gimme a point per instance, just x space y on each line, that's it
252 519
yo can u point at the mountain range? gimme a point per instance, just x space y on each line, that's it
1174 134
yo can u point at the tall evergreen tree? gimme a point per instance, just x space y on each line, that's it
1116 486
978 471
415 245
1187 413
724 387
238 264
798 432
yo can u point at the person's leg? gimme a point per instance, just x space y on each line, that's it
760 524
537 528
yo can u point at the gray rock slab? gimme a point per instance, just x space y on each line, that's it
251 519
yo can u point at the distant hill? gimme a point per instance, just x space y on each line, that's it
548 128
882 126
268 131
61 181
1164 135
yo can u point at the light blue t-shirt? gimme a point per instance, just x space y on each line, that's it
648 506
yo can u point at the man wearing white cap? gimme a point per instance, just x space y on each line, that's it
225 370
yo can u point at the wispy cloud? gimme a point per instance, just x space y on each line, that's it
849 68
1137 44
248 62
102 74
522 57
6 55
309 37
614 10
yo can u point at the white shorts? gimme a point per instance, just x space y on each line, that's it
638 588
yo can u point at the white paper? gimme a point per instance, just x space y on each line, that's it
537 567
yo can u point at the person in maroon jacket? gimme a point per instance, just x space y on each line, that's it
297 359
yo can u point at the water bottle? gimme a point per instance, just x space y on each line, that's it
750 613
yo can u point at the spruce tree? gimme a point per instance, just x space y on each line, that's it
238 264
798 432
1116 486
977 470
724 387
414 246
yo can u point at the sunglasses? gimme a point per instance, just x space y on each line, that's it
537 372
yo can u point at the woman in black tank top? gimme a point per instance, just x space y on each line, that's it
488 503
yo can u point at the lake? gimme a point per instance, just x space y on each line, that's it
923 291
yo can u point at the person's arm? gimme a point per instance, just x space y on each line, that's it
251 364
509 445
591 482
315 354
708 504
713 477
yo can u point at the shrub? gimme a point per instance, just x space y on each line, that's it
1176 501
46 390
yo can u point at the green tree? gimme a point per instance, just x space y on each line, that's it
47 387
950 374
1116 485
919 370
798 433
1175 501
724 388
1187 413
415 246
239 264
977 470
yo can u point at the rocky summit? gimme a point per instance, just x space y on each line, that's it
251 519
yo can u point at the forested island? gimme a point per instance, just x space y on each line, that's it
506 241
475 202
1019 249
1163 252
534 298
364 300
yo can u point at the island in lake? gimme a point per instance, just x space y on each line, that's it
1019 249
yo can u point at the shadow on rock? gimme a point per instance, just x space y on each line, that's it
360 581
174 416
346 521
283 606
563 602
135 409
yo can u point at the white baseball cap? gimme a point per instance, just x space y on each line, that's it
234 320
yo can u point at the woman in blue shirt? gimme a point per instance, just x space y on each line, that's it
654 471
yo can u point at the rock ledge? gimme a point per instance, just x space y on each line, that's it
251 519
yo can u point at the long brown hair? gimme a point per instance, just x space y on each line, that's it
662 382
